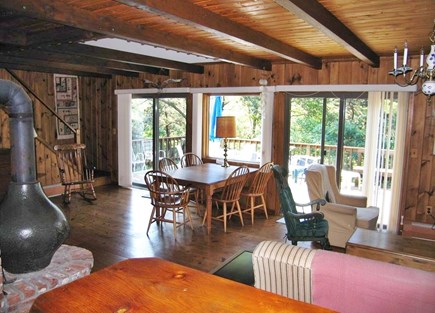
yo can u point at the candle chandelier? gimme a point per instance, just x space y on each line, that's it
406 76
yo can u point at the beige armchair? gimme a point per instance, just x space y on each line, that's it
343 212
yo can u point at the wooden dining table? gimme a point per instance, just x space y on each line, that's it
207 177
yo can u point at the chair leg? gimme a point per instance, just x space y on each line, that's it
225 217
240 213
67 194
87 191
325 244
92 190
174 220
186 210
197 202
204 218
252 201
151 219
263 201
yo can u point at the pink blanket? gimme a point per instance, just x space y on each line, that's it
350 284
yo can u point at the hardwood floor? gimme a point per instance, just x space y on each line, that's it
114 228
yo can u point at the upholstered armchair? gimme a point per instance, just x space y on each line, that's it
343 212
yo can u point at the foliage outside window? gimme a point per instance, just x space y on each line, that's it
306 128
157 124
247 109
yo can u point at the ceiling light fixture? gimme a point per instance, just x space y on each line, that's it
423 73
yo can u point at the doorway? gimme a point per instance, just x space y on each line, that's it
362 135
158 130
328 129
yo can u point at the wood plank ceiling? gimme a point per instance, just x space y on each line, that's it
41 35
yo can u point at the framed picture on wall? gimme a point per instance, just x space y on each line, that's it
66 96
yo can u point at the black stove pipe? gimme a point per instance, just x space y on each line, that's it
32 228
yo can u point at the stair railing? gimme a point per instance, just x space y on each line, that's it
76 132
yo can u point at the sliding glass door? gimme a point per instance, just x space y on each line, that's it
327 129
158 130
361 135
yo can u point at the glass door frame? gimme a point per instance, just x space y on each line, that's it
155 120
342 96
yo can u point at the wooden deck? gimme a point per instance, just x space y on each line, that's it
114 227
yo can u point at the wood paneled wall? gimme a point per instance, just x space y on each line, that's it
99 117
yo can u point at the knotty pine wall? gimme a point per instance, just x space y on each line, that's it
99 114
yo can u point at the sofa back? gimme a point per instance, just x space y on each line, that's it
341 282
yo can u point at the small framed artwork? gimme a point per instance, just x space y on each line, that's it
66 97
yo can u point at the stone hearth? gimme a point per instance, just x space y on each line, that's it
20 290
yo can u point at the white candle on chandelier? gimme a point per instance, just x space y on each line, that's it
405 53
395 58
421 57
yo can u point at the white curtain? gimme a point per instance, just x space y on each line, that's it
124 140
267 98
384 154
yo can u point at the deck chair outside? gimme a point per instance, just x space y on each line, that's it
75 174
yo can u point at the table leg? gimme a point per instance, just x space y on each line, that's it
208 206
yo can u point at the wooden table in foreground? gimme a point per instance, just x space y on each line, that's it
391 248
208 177
156 285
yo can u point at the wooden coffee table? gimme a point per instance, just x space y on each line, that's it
391 248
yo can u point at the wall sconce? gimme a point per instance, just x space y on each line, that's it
226 128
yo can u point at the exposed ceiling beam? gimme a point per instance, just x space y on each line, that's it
62 66
58 12
190 14
60 34
312 12
37 68
127 57
40 54
13 38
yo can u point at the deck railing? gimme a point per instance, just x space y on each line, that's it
352 156
173 147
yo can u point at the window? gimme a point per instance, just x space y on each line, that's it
246 146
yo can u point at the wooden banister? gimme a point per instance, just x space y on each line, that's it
22 83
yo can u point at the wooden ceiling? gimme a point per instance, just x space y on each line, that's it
42 35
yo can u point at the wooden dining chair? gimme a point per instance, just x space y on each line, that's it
190 159
75 174
255 191
167 195
167 164
229 197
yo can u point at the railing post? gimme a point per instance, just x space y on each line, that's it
78 139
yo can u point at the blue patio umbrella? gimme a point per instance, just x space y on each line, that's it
215 113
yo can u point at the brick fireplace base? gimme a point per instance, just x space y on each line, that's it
68 263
